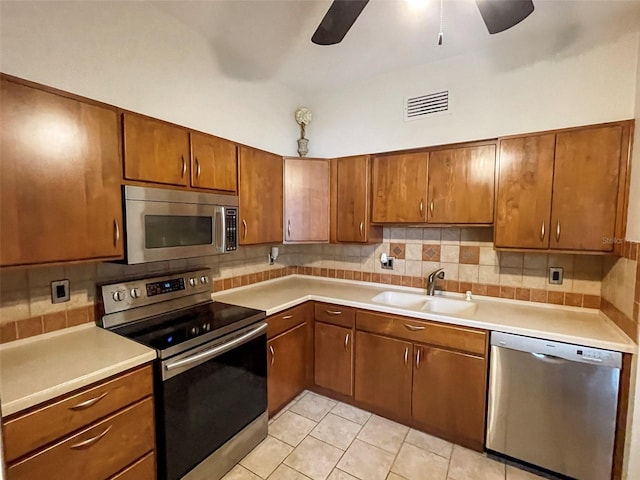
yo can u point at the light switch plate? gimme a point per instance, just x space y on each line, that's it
60 291
555 275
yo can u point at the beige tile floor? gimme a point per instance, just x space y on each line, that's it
317 438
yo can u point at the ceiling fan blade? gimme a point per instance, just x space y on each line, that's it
337 21
500 15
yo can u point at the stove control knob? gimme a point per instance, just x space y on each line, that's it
135 293
204 279
119 295
194 331
193 282
206 327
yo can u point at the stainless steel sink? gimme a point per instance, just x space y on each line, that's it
426 303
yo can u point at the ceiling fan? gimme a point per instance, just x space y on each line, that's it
498 15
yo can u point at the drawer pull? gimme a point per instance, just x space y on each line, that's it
414 328
287 317
334 312
89 403
91 441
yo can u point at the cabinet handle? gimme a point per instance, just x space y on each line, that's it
418 359
558 231
273 354
288 228
421 206
116 232
244 225
334 312
413 328
346 341
542 231
361 229
406 356
91 441
89 403
197 168
184 166
431 207
287 317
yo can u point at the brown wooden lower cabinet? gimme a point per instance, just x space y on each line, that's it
333 365
117 440
448 398
383 374
286 374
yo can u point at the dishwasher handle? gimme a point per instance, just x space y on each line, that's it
557 352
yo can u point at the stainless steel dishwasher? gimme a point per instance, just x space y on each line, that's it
553 404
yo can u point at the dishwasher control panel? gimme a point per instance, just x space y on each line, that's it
549 350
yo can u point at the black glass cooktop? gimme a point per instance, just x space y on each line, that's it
183 327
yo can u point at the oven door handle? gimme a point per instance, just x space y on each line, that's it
215 351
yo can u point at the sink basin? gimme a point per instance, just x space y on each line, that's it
400 299
426 303
449 306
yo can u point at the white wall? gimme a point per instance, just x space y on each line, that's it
134 56
517 90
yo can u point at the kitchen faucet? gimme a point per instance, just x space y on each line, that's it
431 280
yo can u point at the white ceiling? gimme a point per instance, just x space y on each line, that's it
258 40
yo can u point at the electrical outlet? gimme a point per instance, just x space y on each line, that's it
388 265
555 275
60 291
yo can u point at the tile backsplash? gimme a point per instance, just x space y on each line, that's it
466 255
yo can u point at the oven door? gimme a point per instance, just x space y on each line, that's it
207 395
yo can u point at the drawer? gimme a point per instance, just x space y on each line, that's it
46 424
335 314
95 453
143 469
466 339
283 321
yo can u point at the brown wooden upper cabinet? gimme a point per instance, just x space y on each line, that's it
352 198
400 188
461 185
155 151
306 200
59 178
563 190
214 163
261 187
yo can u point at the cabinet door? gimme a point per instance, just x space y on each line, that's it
260 197
155 151
214 163
400 188
449 390
383 374
523 203
461 185
306 200
353 194
585 189
333 366
59 178
286 367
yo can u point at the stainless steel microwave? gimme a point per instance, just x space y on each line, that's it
163 224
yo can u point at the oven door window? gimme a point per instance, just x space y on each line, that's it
201 408
162 231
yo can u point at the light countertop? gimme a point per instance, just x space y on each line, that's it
581 326
38 369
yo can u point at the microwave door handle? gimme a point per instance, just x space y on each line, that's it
220 230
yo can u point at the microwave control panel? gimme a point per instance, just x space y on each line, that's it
231 234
